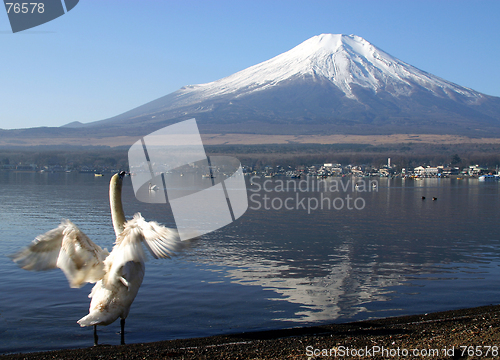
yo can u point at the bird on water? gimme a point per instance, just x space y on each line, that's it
117 275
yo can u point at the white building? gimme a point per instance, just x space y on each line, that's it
427 171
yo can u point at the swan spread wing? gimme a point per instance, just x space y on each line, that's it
43 252
68 248
161 241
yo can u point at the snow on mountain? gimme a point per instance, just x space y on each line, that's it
327 84
344 60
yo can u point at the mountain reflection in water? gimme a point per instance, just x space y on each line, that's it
272 268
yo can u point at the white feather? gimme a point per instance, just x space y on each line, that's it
117 275
124 267
67 248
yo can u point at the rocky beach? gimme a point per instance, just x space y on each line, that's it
458 334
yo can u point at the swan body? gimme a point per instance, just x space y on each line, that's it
117 275
124 271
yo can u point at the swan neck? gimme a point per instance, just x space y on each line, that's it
115 202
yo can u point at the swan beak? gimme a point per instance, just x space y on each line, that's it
122 174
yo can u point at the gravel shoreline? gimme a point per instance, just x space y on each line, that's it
458 334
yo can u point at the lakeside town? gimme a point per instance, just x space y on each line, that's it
387 170
317 170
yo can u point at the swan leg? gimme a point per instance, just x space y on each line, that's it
96 338
122 323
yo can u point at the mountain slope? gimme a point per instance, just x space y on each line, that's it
329 83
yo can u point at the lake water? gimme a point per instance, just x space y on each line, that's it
382 252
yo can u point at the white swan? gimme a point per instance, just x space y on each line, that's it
118 275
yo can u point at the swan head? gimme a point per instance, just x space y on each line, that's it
117 179
122 174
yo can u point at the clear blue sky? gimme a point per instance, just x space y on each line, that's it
105 57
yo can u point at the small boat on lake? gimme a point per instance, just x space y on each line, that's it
488 177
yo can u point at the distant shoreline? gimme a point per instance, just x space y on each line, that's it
460 334
260 151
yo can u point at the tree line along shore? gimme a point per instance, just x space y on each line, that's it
258 157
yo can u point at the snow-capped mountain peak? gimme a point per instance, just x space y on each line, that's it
327 84
344 60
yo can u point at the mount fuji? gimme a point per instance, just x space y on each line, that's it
328 84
